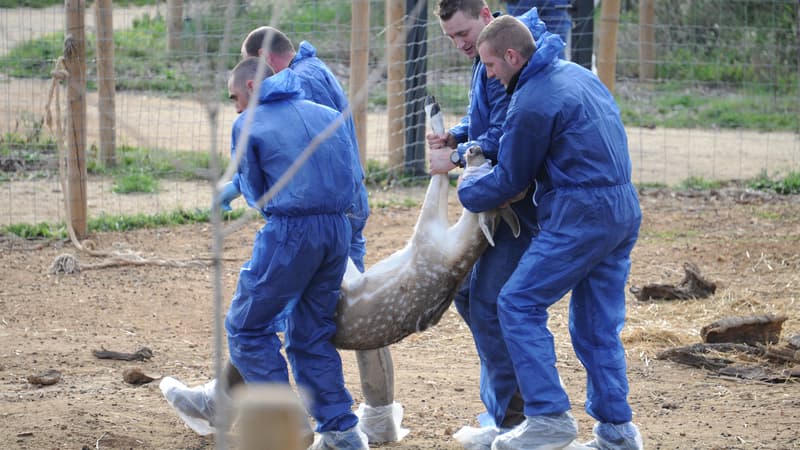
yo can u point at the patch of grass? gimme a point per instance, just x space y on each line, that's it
453 97
105 223
26 151
674 106
699 183
669 235
395 203
157 163
377 174
790 184
651 185
141 61
769 215
135 183
35 231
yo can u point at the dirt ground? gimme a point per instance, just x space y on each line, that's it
745 242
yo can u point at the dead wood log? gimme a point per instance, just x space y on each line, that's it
142 354
696 355
794 342
693 285
752 330
135 376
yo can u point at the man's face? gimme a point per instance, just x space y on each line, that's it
496 66
240 95
463 30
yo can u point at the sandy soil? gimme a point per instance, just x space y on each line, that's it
747 244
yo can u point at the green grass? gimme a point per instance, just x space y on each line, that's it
141 61
380 175
157 163
453 97
106 223
135 183
395 203
768 215
651 185
699 183
669 235
790 184
673 106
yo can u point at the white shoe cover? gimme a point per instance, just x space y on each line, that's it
540 433
381 423
195 406
478 438
350 439
624 436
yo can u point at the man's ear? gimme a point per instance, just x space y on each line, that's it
512 57
485 15
250 84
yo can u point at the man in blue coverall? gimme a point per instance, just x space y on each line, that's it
299 257
554 13
476 301
564 134
292 281
321 86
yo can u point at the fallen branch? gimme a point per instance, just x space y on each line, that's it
751 330
142 354
693 285
696 355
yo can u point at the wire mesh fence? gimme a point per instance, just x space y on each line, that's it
722 101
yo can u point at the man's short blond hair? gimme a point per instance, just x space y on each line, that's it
507 32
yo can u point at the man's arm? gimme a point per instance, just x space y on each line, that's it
496 101
526 140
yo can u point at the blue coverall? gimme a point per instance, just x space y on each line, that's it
563 130
299 256
320 85
476 301
554 13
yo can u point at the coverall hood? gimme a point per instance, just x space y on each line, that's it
281 86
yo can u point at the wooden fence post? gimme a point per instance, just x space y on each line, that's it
359 72
607 54
104 19
647 38
271 417
75 62
396 72
174 24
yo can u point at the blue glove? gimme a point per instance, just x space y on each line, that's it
227 195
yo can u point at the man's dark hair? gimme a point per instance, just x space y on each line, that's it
247 69
276 42
445 9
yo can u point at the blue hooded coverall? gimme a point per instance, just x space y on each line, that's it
300 254
554 13
563 130
476 301
320 86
